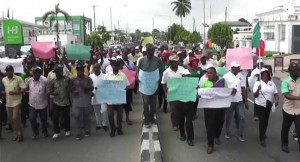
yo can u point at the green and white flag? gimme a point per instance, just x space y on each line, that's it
256 36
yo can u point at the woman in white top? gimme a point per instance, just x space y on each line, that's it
265 93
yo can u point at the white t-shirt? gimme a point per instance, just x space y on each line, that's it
210 61
106 62
236 82
95 80
108 69
266 93
168 73
253 78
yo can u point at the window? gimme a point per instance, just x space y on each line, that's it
282 32
269 36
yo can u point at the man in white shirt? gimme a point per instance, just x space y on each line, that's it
235 80
174 71
100 110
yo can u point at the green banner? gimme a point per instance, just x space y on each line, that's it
78 52
184 89
12 32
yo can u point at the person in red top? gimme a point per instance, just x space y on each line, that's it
161 96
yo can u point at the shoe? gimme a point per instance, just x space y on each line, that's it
87 133
295 137
285 149
147 125
227 135
263 143
98 127
68 133
241 138
120 132
55 136
20 138
112 134
14 139
217 141
210 150
255 118
182 138
78 137
165 111
46 135
105 128
34 137
175 128
128 122
190 142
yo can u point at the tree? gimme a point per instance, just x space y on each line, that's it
104 34
182 8
146 34
220 34
182 36
52 16
98 38
138 33
172 31
195 37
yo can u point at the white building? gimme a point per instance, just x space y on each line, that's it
64 39
280 28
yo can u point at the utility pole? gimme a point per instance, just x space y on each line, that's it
152 23
204 25
94 16
111 26
170 30
226 15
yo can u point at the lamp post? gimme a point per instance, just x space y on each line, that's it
204 25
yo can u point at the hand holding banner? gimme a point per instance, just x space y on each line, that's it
182 89
111 92
43 50
78 52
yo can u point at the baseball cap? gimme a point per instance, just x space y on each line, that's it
210 66
150 47
179 52
166 53
144 49
137 47
174 58
235 64
260 61
113 59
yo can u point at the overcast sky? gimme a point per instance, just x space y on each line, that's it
138 14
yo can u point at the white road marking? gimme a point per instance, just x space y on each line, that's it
250 101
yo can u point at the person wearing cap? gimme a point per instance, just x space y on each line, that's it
14 88
203 64
213 117
290 88
196 72
144 53
59 91
150 63
186 60
52 74
38 101
135 55
81 89
115 74
181 56
185 115
160 92
266 94
235 80
128 63
174 71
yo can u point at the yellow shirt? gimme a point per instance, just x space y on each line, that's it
135 57
74 71
52 75
120 76
14 84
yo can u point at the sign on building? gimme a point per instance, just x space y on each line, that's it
12 32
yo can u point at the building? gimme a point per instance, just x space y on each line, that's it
30 31
75 27
280 28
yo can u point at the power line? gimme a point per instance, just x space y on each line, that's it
94 16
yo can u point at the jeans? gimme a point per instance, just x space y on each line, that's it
101 114
82 117
214 120
185 113
149 101
286 125
60 113
263 115
111 116
240 112
33 113
14 117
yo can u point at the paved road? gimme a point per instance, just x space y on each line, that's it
98 147
231 150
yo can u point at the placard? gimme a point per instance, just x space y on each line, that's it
148 82
78 52
184 88
214 97
111 92
43 50
243 56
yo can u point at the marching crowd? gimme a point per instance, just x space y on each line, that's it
59 87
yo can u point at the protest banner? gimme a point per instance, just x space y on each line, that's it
148 82
130 76
16 63
78 52
221 71
243 56
214 97
111 91
43 50
147 40
182 89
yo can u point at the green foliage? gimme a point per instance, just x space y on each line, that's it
182 8
270 53
195 37
98 38
146 34
180 34
220 34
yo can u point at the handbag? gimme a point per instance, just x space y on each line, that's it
269 103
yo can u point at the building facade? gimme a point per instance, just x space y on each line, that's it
76 27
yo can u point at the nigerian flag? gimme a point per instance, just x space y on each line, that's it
256 36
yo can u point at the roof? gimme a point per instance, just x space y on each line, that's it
236 24
26 23
272 12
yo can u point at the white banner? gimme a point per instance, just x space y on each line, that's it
214 97
16 63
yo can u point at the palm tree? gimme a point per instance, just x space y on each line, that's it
182 8
52 16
